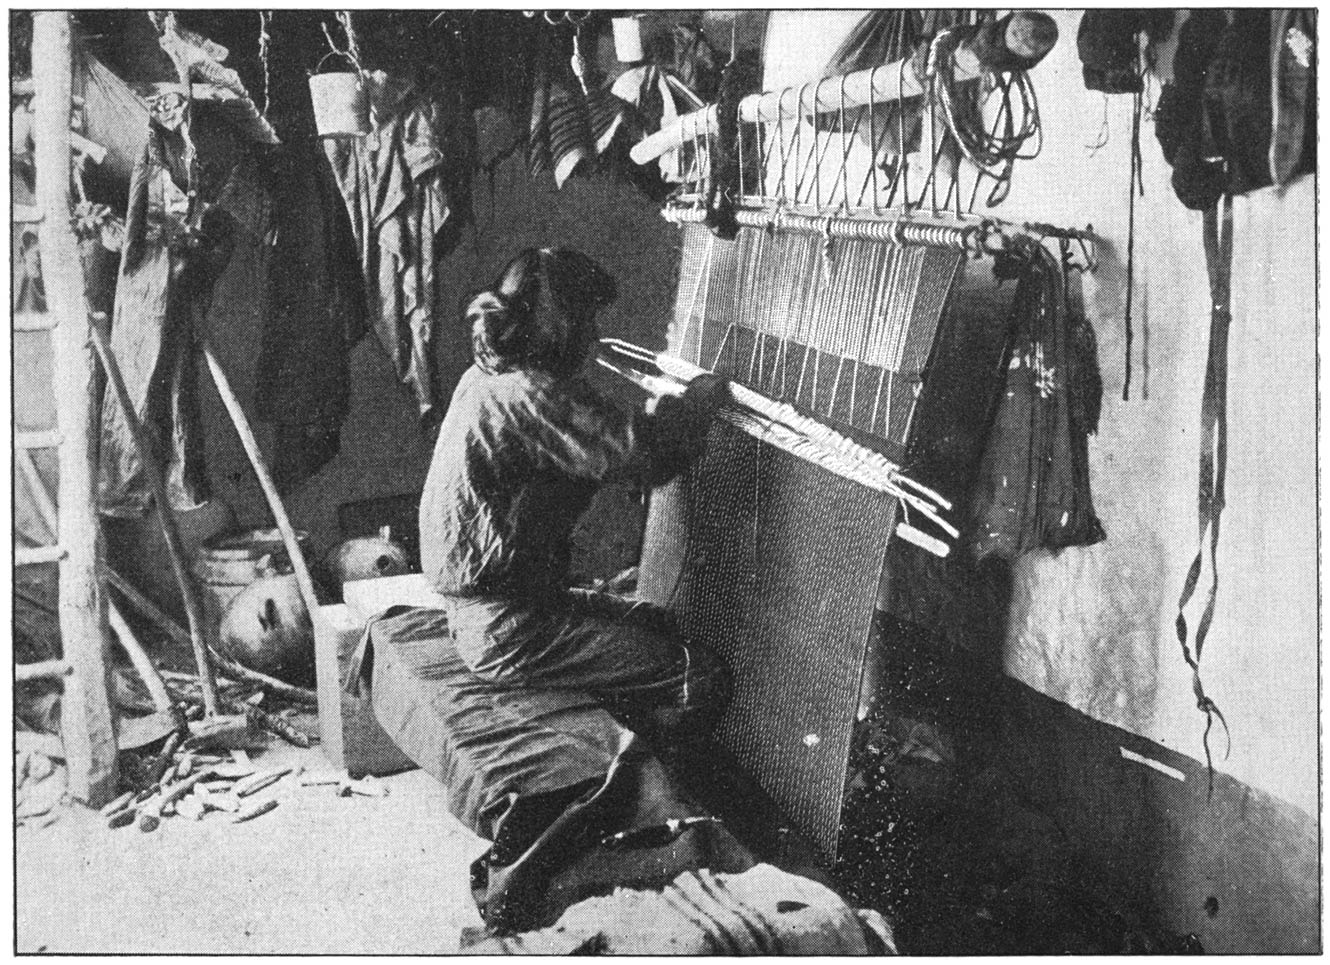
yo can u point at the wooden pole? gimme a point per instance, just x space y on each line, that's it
329 686
251 446
228 668
175 547
138 656
1027 35
87 729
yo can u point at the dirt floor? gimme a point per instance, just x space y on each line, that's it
319 874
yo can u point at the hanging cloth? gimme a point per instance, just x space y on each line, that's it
659 99
113 115
1033 490
1218 233
568 125
193 192
315 310
152 336
396 186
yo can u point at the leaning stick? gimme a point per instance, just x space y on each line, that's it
174 546
228 667
143 665
251 447
46 508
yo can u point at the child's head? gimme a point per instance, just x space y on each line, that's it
540 313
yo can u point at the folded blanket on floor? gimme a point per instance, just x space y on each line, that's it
762 911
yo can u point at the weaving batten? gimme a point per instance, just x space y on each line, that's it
781 426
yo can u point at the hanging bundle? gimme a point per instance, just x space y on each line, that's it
993 153
1033 491
1109 48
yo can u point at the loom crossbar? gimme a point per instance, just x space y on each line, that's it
1029 35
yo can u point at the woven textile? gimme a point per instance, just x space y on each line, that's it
841 327
773 563
769 560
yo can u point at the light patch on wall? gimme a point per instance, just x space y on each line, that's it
1084 624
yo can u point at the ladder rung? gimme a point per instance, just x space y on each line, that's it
42 670
27 214
35 322
32 555
47 439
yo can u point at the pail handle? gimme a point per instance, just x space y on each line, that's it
337 53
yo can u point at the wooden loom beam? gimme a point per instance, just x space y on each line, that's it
1027 35
87 729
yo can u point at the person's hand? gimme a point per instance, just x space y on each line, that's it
706 393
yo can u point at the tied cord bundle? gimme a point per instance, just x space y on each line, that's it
994 154
782 426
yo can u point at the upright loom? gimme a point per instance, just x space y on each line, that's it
824 309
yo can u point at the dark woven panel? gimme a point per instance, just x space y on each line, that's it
774 563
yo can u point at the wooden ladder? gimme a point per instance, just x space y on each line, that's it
86 721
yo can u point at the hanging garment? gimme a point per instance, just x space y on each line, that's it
173 254
315 303
151 336
399 184
1215 121
568 125
1293 142
1033 490
659 99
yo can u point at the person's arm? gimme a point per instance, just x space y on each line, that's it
674 433
584 435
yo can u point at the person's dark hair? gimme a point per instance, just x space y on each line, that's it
540 312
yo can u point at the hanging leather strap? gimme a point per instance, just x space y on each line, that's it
1218 235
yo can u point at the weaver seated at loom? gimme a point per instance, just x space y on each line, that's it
520 694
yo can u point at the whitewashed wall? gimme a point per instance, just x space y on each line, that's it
1094 627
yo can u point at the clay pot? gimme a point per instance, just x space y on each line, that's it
267 628
365 558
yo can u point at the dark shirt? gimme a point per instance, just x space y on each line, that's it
519 456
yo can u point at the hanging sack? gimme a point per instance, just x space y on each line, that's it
1237 101
1107 45
1198 172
